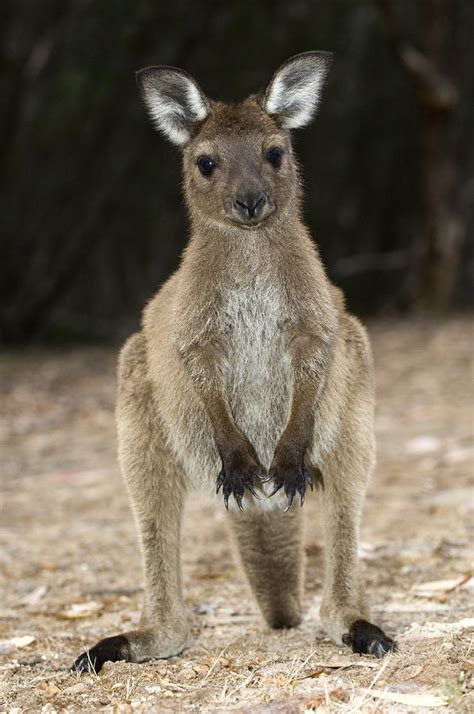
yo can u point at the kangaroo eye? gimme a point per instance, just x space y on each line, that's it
274 156
206 165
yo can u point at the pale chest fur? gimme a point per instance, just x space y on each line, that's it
251 324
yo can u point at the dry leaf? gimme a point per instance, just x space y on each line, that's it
341 663
33 597
421 445
201 668
48 688
75 689
413 606
15 643
440 586
47 565
436 629
321 700
414 700
82 609
457 455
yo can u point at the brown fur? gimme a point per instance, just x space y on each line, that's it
247 361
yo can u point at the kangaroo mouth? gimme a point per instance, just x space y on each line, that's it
250 223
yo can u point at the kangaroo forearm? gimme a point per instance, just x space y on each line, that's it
227 435
289 469
205 367
310 359
299 427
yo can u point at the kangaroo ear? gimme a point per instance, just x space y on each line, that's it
174 101
293 93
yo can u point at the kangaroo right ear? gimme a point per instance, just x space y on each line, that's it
174 101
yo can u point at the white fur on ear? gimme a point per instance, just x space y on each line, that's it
294 92
174 101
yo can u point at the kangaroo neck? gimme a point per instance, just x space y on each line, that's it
247 249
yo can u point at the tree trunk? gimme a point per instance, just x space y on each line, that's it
441 229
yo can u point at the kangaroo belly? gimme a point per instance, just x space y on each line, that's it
258 390
258 375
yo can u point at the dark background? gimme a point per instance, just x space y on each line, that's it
91 216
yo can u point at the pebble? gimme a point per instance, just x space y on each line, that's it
76 688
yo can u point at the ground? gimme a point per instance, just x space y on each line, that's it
72 569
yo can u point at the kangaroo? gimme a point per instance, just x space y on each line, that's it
248 377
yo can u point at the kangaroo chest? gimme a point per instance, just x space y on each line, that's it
257 365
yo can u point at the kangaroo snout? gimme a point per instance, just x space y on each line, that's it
250 207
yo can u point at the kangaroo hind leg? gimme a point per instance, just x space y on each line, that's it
156 492
271 550
343 608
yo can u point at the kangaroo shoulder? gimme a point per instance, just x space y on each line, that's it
357 340
132 357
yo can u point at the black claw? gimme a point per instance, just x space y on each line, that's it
84 664
275 490
290 495
235 481
294 479
227 490
301 488
365 638
253 492
112 649
376 649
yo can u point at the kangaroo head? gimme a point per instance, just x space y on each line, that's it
239 168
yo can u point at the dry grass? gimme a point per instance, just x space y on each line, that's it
72 568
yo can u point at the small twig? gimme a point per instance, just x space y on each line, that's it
298 669
326 694
459 584
174 685
211 668
374 681
41 679
224 689
241 686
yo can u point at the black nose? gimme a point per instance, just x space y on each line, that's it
250 204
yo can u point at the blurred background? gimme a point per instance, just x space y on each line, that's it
92 219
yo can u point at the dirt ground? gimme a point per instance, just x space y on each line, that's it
72 574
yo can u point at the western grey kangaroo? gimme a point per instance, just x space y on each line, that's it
248 376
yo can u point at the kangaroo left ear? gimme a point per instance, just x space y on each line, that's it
293 93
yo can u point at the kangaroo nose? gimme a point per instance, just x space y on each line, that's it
250 204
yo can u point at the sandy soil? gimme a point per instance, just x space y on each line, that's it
71 566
